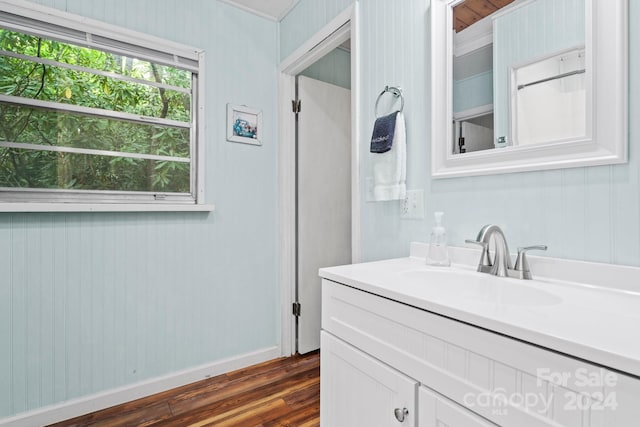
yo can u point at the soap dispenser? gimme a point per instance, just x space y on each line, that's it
438 253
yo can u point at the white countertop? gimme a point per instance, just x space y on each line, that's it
595 323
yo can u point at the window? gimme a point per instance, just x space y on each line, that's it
90 113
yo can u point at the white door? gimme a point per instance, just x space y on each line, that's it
323 196
438 411
358 390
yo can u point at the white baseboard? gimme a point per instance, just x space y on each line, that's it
95 402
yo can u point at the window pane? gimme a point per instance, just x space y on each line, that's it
27 79
85 119
55 128
99 60
53 170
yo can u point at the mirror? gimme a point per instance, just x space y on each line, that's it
527 85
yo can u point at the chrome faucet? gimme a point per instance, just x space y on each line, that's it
501 264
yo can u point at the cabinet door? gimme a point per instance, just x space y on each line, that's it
438 411
358 390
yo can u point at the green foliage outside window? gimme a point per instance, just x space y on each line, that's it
47 128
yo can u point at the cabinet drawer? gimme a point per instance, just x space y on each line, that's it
436 411
507 381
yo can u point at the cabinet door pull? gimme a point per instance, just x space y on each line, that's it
401 414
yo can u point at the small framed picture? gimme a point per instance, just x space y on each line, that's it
244 124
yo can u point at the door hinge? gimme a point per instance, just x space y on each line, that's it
296 309
296 105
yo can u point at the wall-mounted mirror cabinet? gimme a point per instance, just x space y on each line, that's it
522 85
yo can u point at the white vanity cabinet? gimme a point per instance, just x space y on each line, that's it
379 355
362 391
359 390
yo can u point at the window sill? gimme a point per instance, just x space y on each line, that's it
103 207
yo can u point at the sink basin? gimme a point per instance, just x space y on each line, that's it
442 276
477 287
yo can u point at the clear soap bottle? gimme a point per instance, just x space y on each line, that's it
438 253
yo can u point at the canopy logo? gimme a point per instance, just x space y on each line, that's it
580 390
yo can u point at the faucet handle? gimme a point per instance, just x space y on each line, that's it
477 242
522 264
485 262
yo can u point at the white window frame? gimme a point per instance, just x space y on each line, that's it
30 18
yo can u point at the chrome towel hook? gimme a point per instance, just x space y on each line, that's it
396 91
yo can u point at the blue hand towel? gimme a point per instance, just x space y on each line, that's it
383 130
390 168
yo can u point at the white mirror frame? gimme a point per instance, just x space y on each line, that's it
606 54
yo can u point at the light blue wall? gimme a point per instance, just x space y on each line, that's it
93 301
334 68
473 91
305 20
584 213
550 26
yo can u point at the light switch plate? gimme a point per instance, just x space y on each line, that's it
412 206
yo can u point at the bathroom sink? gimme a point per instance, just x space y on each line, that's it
452 283
435 275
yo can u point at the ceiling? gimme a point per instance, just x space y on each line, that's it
271 9
472 11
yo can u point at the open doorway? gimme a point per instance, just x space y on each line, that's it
308 213
323 187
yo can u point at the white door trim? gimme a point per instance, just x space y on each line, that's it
342 27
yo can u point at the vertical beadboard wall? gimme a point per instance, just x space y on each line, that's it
584 213
474 91
305 19
534 30
94 301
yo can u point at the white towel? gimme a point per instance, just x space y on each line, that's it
390 168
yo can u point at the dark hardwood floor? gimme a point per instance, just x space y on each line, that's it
280 393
